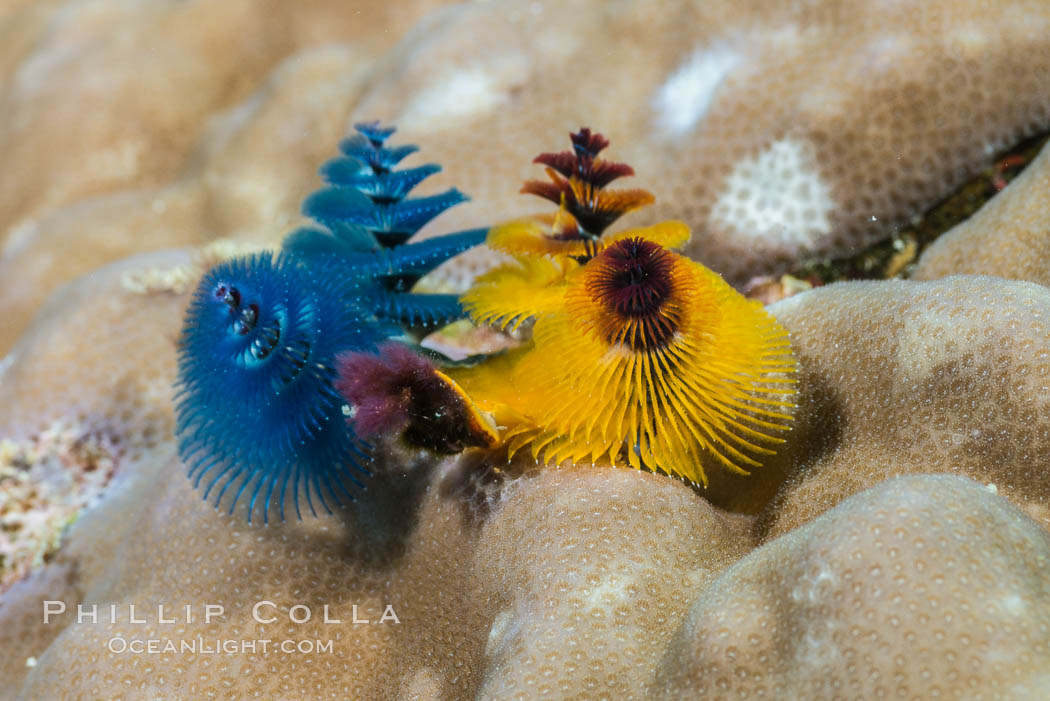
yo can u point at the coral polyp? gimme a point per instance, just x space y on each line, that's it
257 415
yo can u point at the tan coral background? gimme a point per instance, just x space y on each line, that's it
136 135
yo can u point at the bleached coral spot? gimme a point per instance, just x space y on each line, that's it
933 338
464 93
611 591
688 92
504 627
777 195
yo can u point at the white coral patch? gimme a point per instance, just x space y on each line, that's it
504 627
777 195
688 92
1013 604
611 591
464 93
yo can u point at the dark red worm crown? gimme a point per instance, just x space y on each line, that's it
637 277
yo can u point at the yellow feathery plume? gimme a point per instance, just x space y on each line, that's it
532 237
669 234
511 294
643 357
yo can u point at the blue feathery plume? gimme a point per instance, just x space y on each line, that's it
256 413
366 204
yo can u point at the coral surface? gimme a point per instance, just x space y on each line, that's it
897 543
1007 238
922 587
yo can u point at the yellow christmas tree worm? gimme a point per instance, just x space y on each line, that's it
651 360
638 355
545 248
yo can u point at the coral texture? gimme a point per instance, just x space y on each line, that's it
769 130
923 587
1007 238
174 135
779 132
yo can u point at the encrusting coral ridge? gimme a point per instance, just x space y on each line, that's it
924 586
1006 238
780 135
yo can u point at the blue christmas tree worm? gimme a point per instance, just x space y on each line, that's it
256 413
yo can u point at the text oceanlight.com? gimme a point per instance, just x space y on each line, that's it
216 646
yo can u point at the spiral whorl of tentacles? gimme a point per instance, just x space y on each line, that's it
578 181
586 208
547 247
256 412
